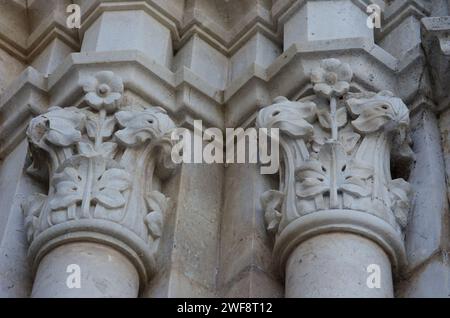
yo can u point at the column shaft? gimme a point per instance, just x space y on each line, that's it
103 273
336 265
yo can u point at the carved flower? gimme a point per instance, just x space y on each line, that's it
379 111
332 78
59 126
106 190
290 117
141 125
315 176
271 202
157 204
103 91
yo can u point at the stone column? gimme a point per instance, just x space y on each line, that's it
338 214
97 229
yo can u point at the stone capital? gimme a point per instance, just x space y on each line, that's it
103 162
338 149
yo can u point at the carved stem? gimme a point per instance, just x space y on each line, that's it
334 202
85 206
98 137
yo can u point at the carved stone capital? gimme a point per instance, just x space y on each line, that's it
103 163
338 149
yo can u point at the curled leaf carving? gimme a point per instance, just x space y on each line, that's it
292 118
59 126
141 125
378 111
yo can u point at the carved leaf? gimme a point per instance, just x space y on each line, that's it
271 202
378 111
290 117
105 149
32 208
314 179
349 140
143 125
157 204
315 176
108 190
58 126
69 188
325 119
103 128
400 191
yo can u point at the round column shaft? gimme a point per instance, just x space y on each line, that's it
103 273
338 265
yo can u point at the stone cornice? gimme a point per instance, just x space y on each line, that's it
382 72
436 41
25 97
396 15
225 40
51 27
183 93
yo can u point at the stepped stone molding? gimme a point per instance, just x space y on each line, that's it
337 148
344 194
103 163
27 41
436 42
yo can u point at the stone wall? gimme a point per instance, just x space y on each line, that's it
97 104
